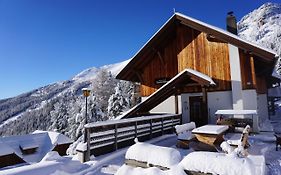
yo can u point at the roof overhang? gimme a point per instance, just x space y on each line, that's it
187 76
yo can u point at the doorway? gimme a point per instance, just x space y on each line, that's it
198 110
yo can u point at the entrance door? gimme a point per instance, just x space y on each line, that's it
198 110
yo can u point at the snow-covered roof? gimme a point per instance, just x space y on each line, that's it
56 138
236 112
200 75
42 140
5 149
194 75
28 145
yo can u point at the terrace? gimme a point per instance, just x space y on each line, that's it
261 144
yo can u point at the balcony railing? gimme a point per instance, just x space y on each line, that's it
107 136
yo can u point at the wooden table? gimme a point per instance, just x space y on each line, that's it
210 134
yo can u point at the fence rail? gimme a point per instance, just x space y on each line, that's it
111 135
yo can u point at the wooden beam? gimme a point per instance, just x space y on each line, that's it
139 76
254 81
161 58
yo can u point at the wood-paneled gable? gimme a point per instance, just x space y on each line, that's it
162 65
207 56
189 48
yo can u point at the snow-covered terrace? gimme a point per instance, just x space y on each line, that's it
261 144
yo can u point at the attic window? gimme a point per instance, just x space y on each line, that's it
28 148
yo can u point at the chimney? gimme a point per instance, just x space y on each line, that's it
231 23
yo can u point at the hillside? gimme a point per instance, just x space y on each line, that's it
61 106
262 26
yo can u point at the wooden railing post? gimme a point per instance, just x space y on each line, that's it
172 118
150 128
88 155
162 126
136 129
115 136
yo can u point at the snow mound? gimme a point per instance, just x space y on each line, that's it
52 156
158 155
185 127
128 170
217 163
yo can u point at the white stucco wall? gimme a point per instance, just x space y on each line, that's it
262 107
250 102
217 101
235 74
167 106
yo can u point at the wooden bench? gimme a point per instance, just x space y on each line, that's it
185 135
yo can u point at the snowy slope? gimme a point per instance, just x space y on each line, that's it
59 106
262 26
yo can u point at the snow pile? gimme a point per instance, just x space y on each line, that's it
226 147
128 170
184 131
185 127
158 155
218 163
52 156
82 146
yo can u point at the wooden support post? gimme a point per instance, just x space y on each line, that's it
176 104
115 136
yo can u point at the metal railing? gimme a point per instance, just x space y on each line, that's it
107 136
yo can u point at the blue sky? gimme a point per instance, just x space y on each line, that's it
44 41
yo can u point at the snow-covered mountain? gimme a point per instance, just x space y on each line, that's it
61 106
263 26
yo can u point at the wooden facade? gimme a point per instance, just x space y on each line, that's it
182 43
190 48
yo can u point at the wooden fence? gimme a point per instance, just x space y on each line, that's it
107 136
